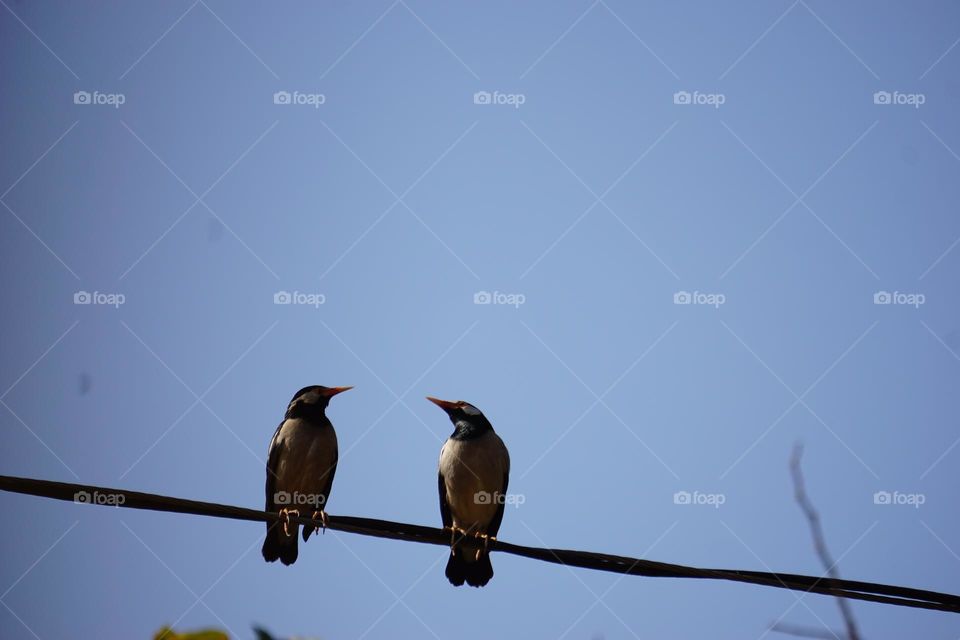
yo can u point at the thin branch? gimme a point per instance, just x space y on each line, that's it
886 594
819 540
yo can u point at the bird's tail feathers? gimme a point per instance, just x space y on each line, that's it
278 546
469 564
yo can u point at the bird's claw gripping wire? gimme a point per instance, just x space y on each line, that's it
285 519
454 530
487 538
321 515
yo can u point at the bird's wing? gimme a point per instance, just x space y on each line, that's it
330 474
328 485
444 507
494 525
273 461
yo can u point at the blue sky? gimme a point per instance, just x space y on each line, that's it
629 159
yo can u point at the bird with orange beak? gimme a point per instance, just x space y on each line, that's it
473 474
301 463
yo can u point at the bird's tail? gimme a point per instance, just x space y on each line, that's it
278 545
469 563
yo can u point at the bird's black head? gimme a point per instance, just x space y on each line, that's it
468 421
310 402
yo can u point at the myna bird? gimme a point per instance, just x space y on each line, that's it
473 476
300 468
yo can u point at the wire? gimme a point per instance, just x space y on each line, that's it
856 590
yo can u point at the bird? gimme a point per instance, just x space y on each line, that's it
301 463
473 475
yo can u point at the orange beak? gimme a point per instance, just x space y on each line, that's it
332 391
446 405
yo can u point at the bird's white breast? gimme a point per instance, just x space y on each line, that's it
470 468
307 457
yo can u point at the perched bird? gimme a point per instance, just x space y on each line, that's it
300 468
473 476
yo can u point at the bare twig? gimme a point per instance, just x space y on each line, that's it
819 541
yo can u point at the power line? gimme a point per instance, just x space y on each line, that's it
853 589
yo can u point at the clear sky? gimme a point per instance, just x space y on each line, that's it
622 157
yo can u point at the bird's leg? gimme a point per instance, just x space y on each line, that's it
454 530
321 515
285 519
479 552
486 541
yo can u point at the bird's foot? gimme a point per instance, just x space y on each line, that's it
454 532
321 515
285 519
487 539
